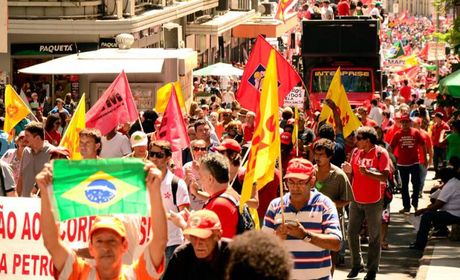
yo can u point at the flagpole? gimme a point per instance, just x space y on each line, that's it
281 186
140 123
241 164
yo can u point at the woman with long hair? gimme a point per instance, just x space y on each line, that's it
52 134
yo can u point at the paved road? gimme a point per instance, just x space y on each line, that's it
399 262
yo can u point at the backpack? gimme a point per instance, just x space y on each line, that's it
245 221
390 186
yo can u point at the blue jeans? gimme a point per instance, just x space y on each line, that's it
414 172
436 219
439 156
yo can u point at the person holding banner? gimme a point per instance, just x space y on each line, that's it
107 239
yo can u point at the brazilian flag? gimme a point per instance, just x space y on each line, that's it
99 187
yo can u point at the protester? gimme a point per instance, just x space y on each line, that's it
107 239
214 178
13 156
59 108
206 254
257 255
115 144
139 145
439 148
8 185
408 141
90 143
4 143
52 135
173 189
368 171
34 157
310 227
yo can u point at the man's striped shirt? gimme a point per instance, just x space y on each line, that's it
319 215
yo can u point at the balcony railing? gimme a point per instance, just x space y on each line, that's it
81 9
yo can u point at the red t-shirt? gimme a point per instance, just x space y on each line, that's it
436 134
369 122
343 8
53 137
367 190
267 194
248 132
427 140
405 92
407 143
226 211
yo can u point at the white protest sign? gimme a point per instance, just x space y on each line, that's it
295 98
22 252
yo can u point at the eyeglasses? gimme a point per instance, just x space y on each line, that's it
196 149
299 183
156 154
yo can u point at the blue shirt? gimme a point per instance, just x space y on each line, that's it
4 145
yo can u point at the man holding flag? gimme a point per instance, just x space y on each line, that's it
107 239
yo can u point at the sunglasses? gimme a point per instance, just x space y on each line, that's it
156 154
196 149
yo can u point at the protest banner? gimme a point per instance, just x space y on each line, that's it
23 255
295 98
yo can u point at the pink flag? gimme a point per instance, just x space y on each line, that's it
116 106
173 129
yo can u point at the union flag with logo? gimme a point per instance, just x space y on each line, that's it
248 94
99 187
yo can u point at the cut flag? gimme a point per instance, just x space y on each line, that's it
116 106
99 187
337 94
283 7
15 111
164 94
71 138
265 147
173 130
248 94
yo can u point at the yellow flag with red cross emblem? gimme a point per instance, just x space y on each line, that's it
15 111
71 138
337 94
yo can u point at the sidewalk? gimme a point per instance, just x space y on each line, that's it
441 260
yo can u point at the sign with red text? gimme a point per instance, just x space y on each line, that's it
22 252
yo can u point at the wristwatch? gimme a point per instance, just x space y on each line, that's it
307 237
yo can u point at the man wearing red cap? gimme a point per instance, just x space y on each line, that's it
107 239
309 225
407 142
368 170
206 255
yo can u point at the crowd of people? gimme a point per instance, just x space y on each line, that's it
334 191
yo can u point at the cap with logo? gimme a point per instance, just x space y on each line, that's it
138 138
202 223
286 138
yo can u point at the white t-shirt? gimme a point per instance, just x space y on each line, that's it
450 194
118 146
376 115
175 236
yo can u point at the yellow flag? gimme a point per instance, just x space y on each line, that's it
337 94
163 95
71 138
265 148
15 111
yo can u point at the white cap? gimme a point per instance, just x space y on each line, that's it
138 138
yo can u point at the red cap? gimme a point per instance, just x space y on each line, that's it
405 117
299 168
229 144
286 138
202 223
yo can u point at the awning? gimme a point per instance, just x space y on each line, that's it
220 23
267 26
105 61
219 69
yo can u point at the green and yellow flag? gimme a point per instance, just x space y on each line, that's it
99 187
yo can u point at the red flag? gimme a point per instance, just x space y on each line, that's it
116 106
423 54
174 130
248 94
